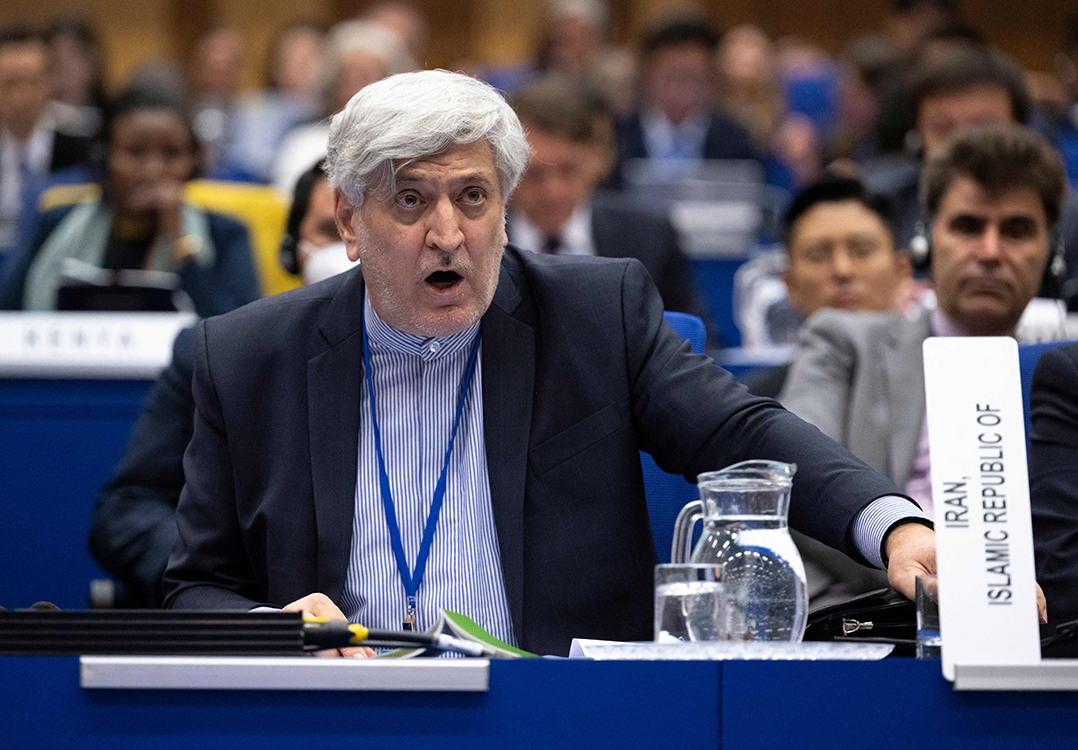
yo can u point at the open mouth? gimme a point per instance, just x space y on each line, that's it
443 279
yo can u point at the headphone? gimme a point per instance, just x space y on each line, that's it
1055 270
288 252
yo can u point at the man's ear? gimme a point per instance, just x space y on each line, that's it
345 214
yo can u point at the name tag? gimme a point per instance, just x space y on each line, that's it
980 491
88 345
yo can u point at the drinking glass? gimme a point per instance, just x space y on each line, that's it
690 605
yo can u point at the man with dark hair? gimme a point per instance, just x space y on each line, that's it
840 253
992 197
35 139
677 119
555 208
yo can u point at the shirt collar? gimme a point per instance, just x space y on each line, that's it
383 337
575 235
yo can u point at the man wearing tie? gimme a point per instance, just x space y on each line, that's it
556 209
456 423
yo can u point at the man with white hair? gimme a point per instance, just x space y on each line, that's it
456 423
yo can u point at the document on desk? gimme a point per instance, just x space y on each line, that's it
586 648
980 492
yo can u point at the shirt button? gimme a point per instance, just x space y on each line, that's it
435 347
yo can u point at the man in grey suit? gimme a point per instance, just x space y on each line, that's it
991 199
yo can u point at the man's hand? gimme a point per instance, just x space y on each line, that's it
911 552
320 605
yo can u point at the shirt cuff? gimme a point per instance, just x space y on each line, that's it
265 609
872 523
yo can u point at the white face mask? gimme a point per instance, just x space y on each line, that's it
326 261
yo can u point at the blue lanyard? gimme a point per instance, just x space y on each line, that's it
410 580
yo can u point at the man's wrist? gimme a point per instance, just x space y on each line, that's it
876 520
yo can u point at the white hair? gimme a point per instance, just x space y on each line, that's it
409 116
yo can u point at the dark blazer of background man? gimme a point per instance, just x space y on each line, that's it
677 71
1053 481
556 208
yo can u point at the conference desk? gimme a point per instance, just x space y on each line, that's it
550 703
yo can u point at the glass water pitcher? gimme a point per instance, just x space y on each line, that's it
744 510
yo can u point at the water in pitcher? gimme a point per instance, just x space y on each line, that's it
763 576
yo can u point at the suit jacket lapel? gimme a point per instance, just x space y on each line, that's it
334 379
508 378
906 394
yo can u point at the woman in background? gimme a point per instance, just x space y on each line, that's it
140 221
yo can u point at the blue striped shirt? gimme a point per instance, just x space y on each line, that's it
416 382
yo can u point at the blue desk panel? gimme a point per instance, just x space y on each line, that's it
538 704
896 703
59 440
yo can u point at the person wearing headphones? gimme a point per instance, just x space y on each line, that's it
134 520
991 198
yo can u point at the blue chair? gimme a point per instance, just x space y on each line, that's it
667 494
1028 356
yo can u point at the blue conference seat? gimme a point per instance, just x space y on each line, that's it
667 494
1028 356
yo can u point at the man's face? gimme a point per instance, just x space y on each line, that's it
561 175
24 85
842 256
940 116
988 255
431 252
677 80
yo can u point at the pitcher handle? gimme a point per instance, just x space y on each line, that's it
681 549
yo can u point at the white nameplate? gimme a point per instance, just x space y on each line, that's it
88 345
980 492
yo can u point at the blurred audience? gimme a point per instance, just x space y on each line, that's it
912 21
76 69
1062 125
992 197
555 208
213 87
134 519
748 83
261 119
677 119
140 220
954 89
405 20
356 53
36 136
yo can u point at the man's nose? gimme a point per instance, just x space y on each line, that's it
443 229
990 248
841 264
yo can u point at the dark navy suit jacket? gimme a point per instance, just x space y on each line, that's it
1053 480
580 372
134 522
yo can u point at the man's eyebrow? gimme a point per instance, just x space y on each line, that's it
481 178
